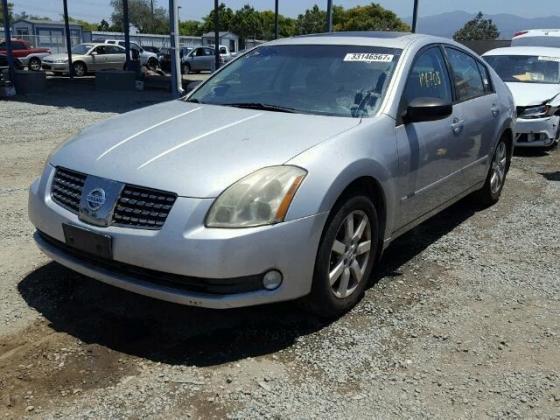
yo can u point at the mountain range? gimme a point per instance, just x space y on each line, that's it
446 24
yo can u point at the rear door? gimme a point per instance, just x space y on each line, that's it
429 158
478 103
115 57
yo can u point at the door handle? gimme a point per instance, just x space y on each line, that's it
495 110
457 126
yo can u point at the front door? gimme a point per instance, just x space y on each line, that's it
99 59
429 152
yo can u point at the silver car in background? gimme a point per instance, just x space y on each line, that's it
87 58
200 59
284 176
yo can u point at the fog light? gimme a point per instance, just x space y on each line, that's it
272 280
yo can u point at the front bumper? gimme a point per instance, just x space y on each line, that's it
538 132
184 247
58 67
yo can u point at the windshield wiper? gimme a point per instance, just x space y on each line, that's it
264 107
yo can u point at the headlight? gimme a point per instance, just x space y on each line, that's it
540 111
261 198
61 61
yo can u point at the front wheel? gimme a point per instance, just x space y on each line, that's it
79 69
490 193
34 64
345 258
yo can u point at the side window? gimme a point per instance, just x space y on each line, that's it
113 49
208 51
18 46
200 52
428 78
486 80
101 49
466 76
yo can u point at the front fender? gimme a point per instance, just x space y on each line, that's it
368 150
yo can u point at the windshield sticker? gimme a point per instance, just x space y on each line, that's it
557 59
369 57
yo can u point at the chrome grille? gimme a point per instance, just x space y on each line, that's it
143 207
67 188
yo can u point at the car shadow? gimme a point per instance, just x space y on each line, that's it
551 176
159 331
531 151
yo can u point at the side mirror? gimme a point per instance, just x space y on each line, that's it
93 53
427 109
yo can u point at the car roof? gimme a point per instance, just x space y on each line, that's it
372 38
545 51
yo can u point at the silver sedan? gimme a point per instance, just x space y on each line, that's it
284 176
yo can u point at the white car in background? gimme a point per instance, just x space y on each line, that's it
537 38
533 76
147 58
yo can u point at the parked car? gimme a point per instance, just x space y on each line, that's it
200 59
87 58
283 176
26 53
151 49
226 53
147 58
4 62
165 57
537 38
533 76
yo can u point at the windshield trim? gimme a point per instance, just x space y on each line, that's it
397 52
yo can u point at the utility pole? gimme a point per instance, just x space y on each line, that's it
8 39
415 17
329 16
126 30
152 11
176 77
216 35
68 40
275 19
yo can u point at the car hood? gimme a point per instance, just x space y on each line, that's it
192 149
529 94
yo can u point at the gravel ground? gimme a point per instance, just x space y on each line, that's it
462 318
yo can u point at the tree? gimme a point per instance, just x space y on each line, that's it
190 27
477 29
103 26
286 26
312 21
372 17
225 15
87 26
10 13
247 23
140 15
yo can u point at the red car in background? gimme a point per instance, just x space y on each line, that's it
26 53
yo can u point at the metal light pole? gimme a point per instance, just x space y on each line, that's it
415 16
68 40
216 35
126 30
176 78
8 39
329 16
275 19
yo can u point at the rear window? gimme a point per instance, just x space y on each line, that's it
536 41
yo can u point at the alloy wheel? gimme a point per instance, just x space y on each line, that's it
499 164
350 253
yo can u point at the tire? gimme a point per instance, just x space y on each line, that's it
34 64
341 258
185 68
79 68
490 193
152 64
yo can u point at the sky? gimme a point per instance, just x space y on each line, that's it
95 10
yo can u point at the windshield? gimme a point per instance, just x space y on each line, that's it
526 69
340 80
81 48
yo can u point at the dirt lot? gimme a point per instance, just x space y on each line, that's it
462 318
